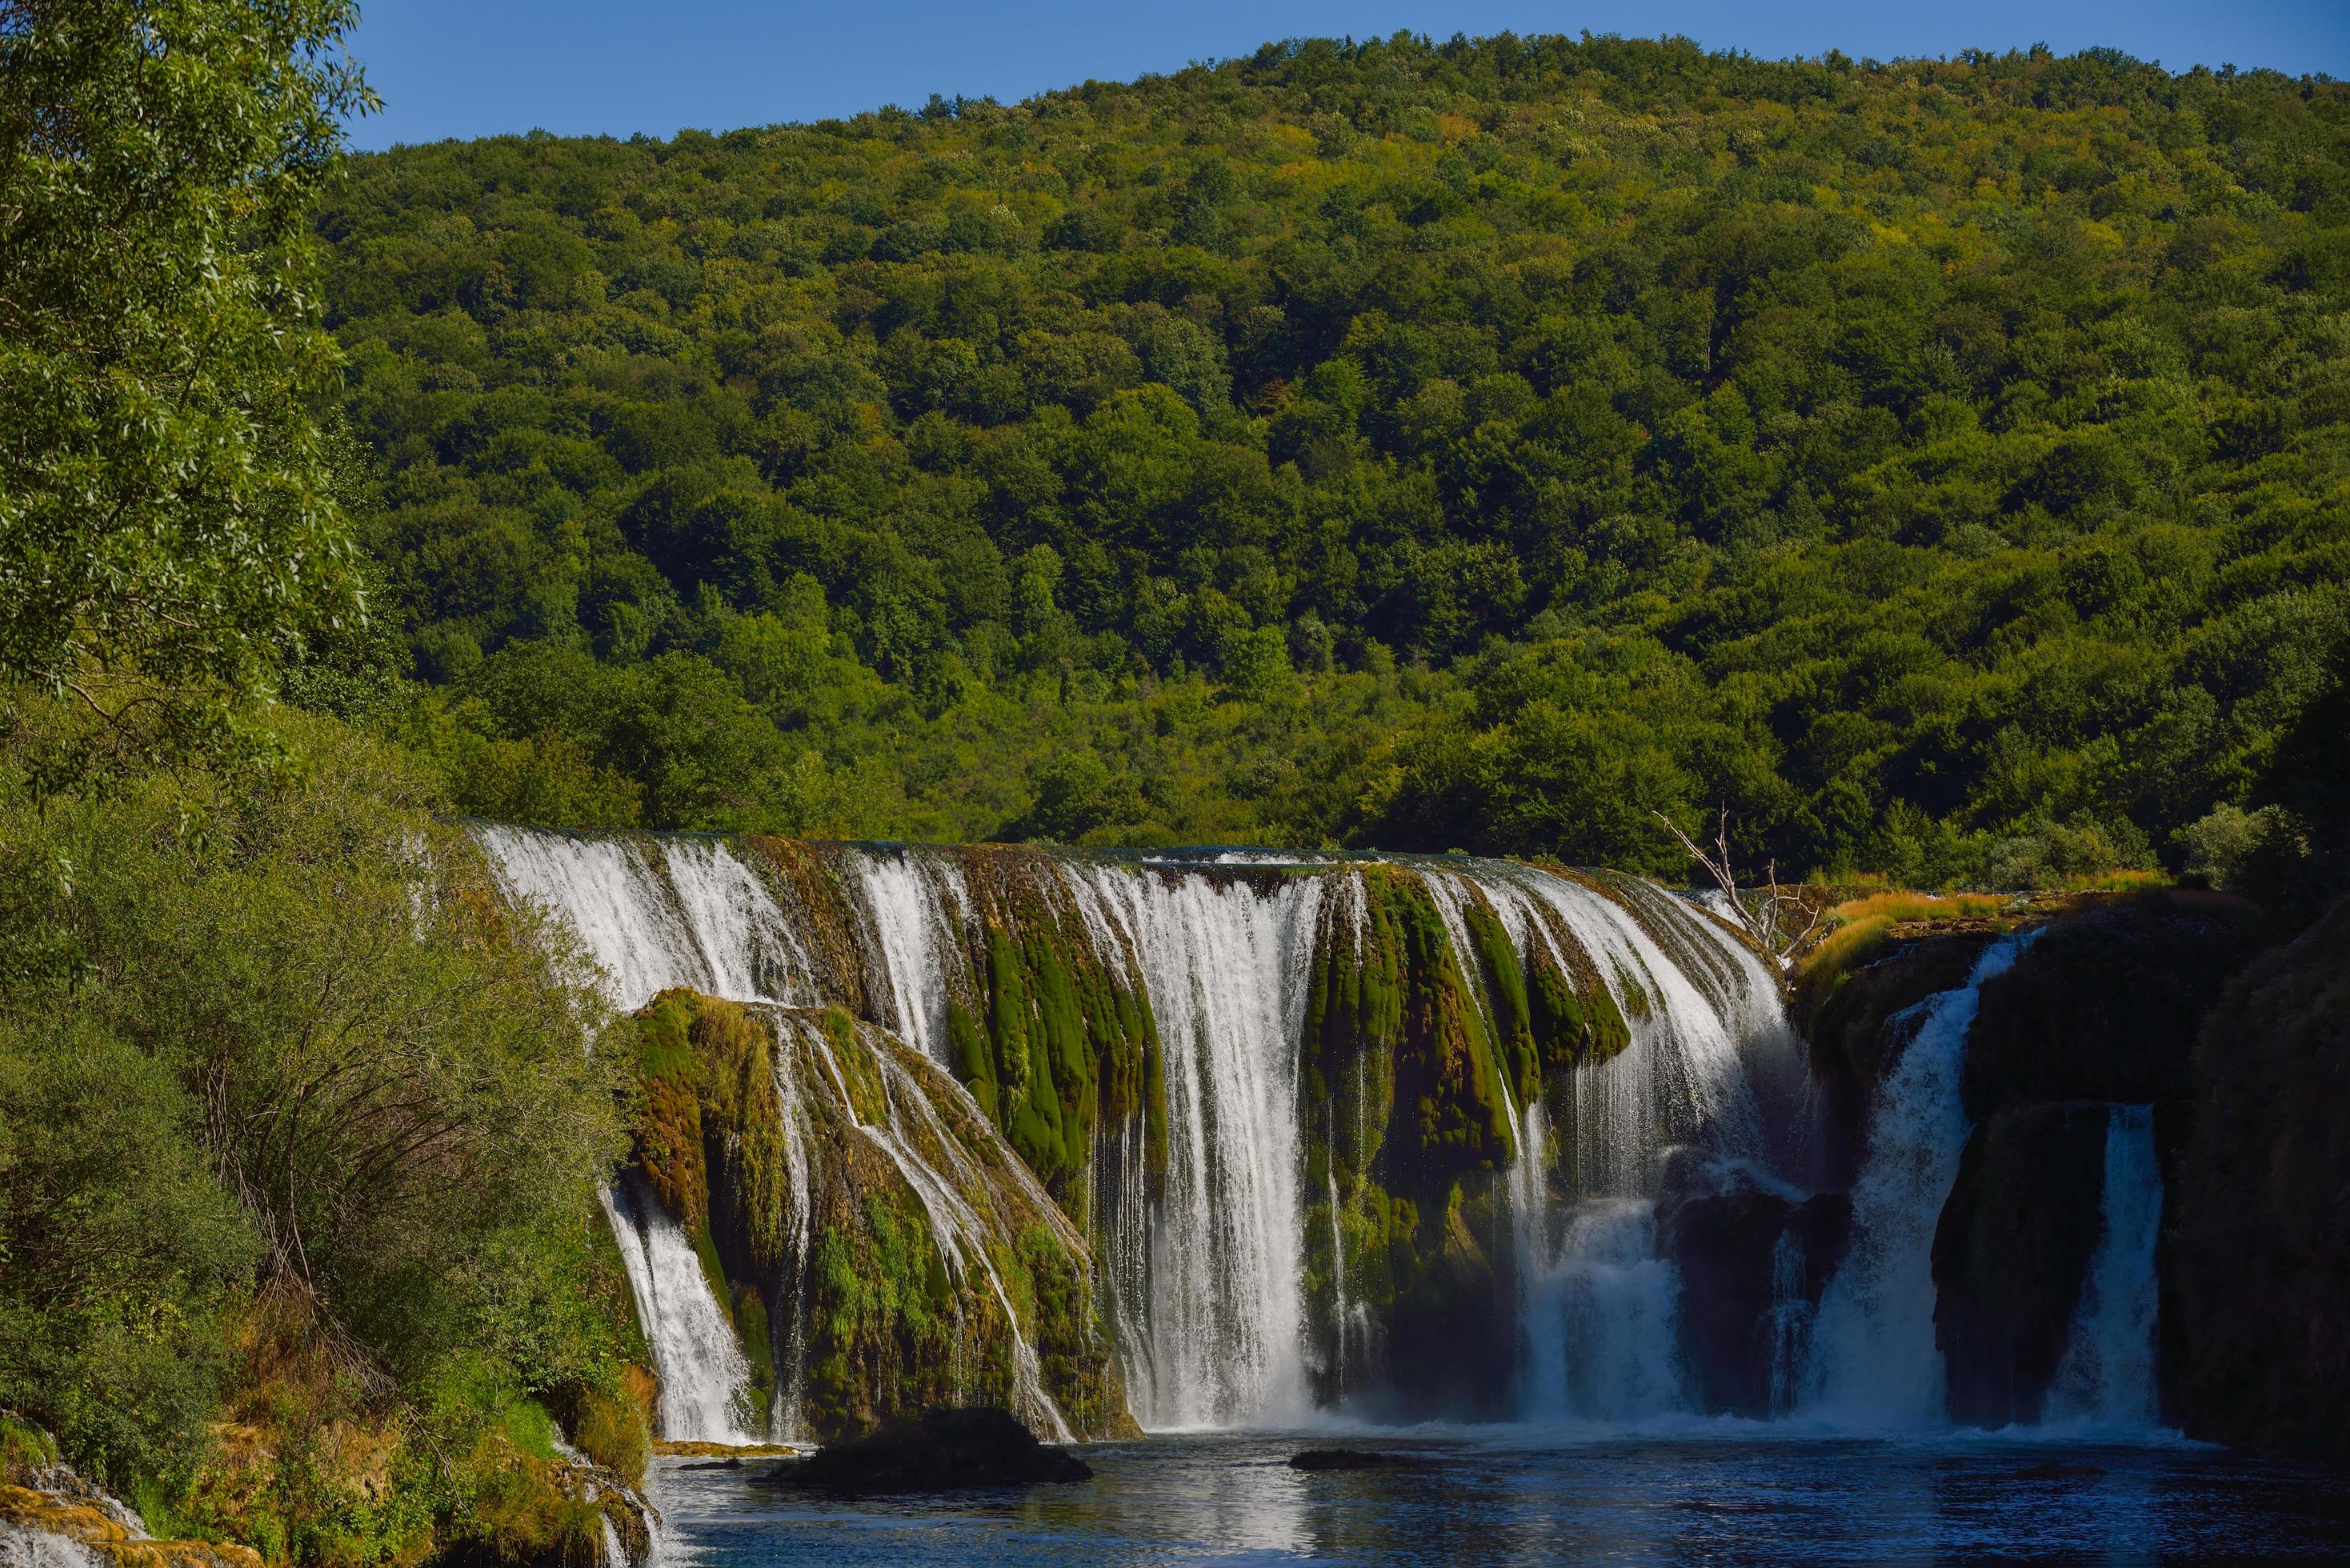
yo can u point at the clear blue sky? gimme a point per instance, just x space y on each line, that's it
476 67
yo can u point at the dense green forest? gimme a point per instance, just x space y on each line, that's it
1480 445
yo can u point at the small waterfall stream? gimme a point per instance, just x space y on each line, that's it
2106 1378
1876 1363
703 1371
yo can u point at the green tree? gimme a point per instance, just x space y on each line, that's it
169 534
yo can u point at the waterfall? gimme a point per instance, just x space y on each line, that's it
1201 1260
1595 1308
1876 1361
1789 1323
1614 1301
2107 1375
918 904
1210 1313
1693 1010
703 1371
658 913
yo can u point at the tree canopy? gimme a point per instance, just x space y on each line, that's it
1482 444
167 513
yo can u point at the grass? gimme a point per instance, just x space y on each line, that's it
1859 926
1898 905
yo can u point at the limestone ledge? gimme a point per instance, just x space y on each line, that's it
66 1524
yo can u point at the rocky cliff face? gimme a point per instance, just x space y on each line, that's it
875 1246
2010 1251
2259 1252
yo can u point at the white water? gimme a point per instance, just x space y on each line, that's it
658 913
1876 1363
2107 1377
1612 1302
703 1372
918 905
1207 1297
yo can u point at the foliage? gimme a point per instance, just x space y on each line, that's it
167 498
301 1135
1476 445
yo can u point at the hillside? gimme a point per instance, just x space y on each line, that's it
1480 445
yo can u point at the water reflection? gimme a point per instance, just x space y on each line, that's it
1515 1496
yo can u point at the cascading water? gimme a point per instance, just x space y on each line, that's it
1876 1362
682 912
918 905
1595 1305
703 1371
2107 1377
1198 1220
1210 1318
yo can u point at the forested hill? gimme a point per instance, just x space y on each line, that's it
1480 445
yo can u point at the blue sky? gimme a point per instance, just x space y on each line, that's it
476 67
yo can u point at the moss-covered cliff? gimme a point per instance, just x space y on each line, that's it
1416 1056
876 1245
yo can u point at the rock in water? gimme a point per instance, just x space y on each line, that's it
2056 1470
947 1451
1345 1460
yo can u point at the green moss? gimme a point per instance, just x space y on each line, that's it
1069 1041
1407 1125
886 1325
1573 1025
974 1063
23 1449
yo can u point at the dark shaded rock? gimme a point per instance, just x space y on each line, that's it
714 1465
2054 1470
2259 1249
2011 1251
946 1450
1345 1460
1753 1265
2105 1005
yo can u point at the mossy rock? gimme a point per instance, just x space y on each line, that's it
2011 1251
2105 1004
875 1321
1055 1042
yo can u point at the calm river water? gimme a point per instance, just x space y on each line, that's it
1721 1494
